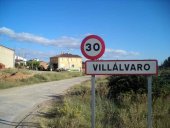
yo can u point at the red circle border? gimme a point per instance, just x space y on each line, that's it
98 55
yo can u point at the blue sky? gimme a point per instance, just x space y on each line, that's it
133 29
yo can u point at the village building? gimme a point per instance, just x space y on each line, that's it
7 57
43 65
66 61
20 60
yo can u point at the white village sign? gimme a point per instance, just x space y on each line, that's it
121 67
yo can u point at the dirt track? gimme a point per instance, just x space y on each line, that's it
17 103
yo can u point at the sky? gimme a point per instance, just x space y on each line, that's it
133 29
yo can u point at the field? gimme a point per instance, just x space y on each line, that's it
19 77
121 102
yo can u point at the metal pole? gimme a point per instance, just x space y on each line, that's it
149 101
93 101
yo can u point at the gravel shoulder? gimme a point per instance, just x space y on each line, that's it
17 103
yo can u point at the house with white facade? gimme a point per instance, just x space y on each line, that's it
7 57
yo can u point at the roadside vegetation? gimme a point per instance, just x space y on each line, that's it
19 77
121 102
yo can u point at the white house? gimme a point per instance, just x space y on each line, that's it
7 57
20 60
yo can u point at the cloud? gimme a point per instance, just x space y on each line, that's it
32 54
70 43
63 42
111 53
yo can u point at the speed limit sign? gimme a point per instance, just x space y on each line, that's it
92 47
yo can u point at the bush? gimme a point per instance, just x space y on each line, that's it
123 84
166 63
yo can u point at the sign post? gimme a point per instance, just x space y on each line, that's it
92 47
126 67
93 101
149 101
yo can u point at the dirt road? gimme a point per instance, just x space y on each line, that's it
15 103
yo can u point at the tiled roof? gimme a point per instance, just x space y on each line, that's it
67 55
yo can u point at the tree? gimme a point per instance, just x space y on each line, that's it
33 64
166 63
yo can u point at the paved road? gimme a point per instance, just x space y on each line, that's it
16 102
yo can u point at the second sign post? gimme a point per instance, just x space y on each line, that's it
93 47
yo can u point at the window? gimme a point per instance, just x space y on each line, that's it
72 65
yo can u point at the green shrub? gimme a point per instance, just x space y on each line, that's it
123 84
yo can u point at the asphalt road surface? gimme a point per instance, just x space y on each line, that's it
16 102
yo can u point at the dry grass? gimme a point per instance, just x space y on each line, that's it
74 112
14 77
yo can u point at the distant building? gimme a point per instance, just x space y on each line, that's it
20 60
7 57
66 61
43 65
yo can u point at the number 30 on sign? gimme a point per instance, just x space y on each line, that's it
92 47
